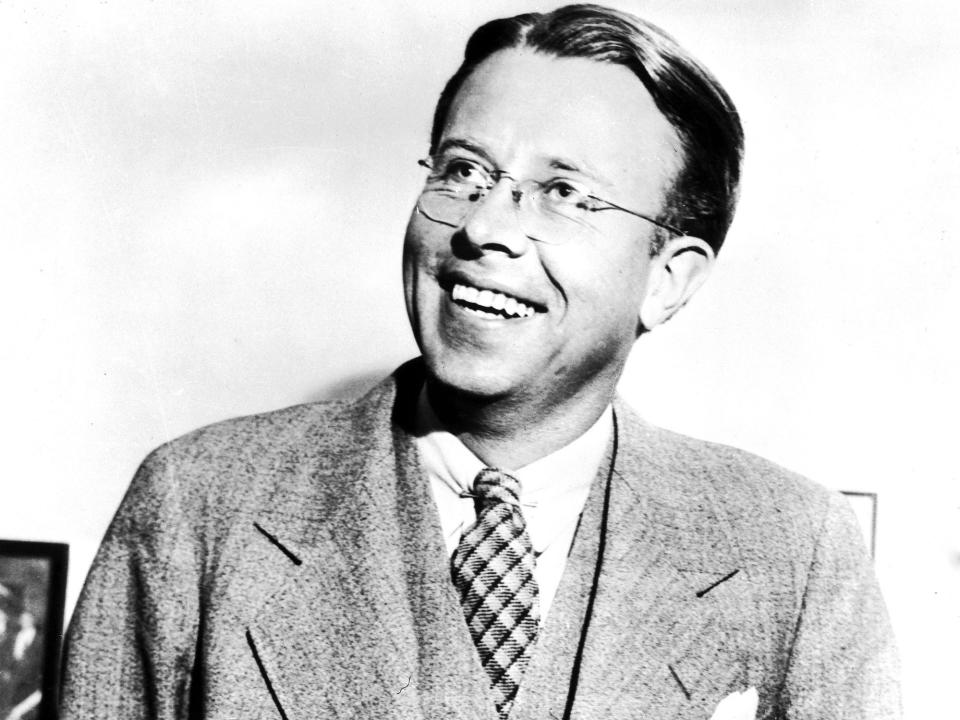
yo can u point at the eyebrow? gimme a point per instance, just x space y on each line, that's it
464 144
581 169
554 163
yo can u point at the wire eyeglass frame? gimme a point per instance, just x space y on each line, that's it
439 197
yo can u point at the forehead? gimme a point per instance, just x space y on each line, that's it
530 109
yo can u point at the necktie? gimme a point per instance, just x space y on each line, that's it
493 571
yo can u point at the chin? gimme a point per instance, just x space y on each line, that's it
475 377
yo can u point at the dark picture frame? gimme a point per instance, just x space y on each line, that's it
864 506
33 582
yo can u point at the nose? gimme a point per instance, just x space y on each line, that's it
494 225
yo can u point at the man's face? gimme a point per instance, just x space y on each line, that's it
543 118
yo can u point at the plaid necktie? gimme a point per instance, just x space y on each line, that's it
493 570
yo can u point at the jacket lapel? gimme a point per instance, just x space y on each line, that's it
367 625
546 684
449 678
666 632
334 638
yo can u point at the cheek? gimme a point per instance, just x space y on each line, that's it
412 240
422 245
416 250
423 254
628 271
412 254
599 276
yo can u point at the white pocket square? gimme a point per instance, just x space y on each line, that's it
738 706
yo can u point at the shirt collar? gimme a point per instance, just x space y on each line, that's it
556 483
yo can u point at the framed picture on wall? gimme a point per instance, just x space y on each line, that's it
864 506
33 578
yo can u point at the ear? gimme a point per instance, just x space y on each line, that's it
676 273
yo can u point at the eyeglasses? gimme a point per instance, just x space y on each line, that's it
553 211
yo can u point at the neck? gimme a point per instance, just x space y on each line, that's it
509 432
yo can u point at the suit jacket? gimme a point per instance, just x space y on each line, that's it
291 565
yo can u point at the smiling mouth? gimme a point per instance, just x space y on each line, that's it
490 303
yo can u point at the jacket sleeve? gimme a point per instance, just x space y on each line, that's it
844 662
130 648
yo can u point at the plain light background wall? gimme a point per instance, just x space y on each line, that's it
202 207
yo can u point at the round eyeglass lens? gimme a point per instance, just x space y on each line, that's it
537 218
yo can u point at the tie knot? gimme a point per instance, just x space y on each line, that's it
493 486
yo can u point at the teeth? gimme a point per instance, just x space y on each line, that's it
491 299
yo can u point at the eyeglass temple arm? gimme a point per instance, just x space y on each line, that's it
613 206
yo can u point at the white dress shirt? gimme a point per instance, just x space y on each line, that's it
553 490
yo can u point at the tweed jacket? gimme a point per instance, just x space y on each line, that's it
291 565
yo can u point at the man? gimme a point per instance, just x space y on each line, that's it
489 532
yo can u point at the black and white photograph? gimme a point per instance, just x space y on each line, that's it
491 360
33 578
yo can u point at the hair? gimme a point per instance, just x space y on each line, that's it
703 196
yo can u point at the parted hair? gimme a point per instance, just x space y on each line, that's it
703 196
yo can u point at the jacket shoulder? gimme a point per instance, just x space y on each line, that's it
254 437
245 464
744 479
762 503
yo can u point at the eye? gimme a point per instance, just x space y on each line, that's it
562 193
460 171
